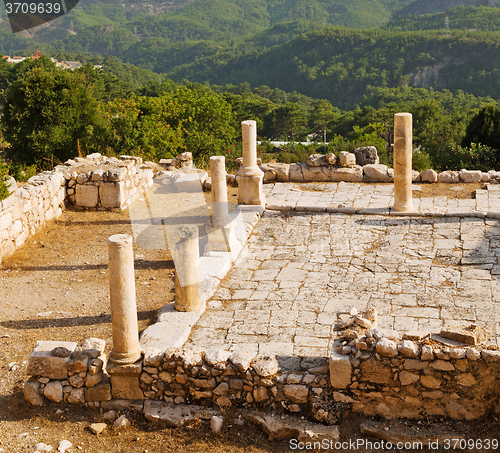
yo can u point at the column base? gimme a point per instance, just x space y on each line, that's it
125 381
250 189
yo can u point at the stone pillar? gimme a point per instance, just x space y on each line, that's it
187 273
250 177
219 190
125 359
402 162
126 349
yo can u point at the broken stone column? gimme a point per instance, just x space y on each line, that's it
126 349
187 273
402 162
250 177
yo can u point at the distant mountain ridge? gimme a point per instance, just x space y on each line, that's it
440 6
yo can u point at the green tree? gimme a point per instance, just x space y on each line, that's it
286 121
322 115
48 114
484 128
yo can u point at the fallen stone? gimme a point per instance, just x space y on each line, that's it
331 158
317 160
93 347
402 433
78 362
97 428
429 176
110 415
61 352
122 422
470 335
64 445
169 414
346 174
40 446
216 424
280 428
415 335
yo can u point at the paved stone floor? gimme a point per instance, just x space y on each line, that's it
298 268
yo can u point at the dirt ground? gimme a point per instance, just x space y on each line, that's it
55 288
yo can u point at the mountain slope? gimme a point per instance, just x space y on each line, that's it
440 6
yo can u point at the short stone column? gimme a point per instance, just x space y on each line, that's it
125 365
126 347
250 176
403 144
219 190
187 273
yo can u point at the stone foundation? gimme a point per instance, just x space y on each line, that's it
370 371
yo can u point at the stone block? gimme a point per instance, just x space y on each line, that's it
99 392
316 174
429 176
282 171
366 155
5 221
86 196
470 176
296 173
112 194
125 380
347 159
449 176
353 174
32 394
296 393
190 182
470 335
375 173
42 363
340 371
54 391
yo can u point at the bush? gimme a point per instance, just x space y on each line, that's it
4 173
421 160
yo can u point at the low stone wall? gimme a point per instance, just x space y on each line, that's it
99 182
329 168
29 207
370 371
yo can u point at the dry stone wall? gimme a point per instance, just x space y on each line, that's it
370 371
99 182
30 207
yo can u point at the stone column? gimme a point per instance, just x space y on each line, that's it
402 162
250 177
187 273
126 349
219 190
